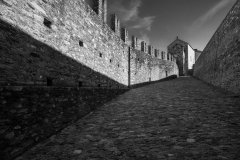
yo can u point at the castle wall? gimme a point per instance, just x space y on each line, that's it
46 46
29 115
146 68
52 40
219 62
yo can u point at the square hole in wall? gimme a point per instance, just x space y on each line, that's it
118 65
47 23
100 54
110 60
80 84
81 43
49 82
99 85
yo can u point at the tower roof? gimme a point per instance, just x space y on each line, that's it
177 39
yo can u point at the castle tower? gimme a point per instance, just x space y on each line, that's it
150 50
134 42
98 7
156 52
163 55
105 11
115 24
143 46
124 35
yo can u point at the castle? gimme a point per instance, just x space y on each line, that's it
185 55
83 51
58 64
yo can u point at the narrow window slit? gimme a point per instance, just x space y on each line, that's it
49 82
80 84
47 23
81 43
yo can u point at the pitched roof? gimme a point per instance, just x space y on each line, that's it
178 40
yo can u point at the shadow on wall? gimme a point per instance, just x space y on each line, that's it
31 112
27 61
152 82
218 64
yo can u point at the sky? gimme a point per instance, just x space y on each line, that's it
159 22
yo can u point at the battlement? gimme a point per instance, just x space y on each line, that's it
81 36
51 51
100 8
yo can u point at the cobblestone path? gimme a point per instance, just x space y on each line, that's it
181 119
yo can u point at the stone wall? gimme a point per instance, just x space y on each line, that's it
43 40
147 68
179 49
61 44
219 62
29 115
49 43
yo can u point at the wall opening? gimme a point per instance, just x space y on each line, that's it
100 54
47 23
80 84
81 43
49 82
99 85
110 60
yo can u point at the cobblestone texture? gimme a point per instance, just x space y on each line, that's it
178 119
29 115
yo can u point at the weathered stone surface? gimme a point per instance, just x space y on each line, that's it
9 135
219 62
137 125
179 49
35 113
52 44
146 68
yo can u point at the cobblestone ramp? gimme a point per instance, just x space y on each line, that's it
181 119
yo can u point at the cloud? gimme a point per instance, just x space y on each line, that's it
144 37
144 23
209 14
128 13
